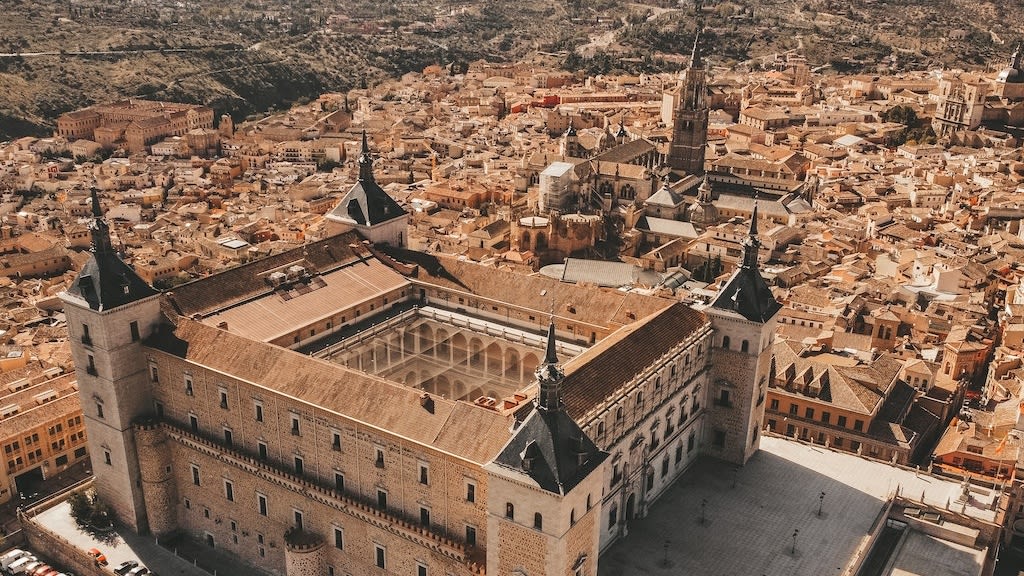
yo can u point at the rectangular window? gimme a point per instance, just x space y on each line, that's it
86 338
229 440
679 453
99 410
842 421
379 459
195 475
259 412
193 422
774 404
719 438
809 413
423 474
154 374
826 417
858 425
229 490
380 555
339 538
470 492
382 499
298 518
188 386
470 536
335 441
261 504
339 481
262 448
421 570
299 466
295 425
424 516
134 327
223 398
793 409
106 460
691 442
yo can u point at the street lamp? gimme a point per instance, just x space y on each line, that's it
821 500
795 532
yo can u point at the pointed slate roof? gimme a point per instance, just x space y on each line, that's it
549 449
366 203
746 292
105 281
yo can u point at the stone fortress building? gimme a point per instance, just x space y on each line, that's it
357 408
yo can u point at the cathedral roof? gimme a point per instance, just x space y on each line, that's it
105 281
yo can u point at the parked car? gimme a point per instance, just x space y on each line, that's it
11 557
21 564
138 571
125 567
98 556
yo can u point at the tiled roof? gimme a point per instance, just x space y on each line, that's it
242 282
330 387
594 375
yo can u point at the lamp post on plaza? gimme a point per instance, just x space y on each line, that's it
821 501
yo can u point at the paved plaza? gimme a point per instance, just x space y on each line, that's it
750 516
124 545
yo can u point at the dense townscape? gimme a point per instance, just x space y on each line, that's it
599 278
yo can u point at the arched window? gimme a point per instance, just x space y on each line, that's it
538 521
600 429
744 346
725 342
618 414
510 510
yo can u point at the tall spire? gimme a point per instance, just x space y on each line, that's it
1015 58
751 243
695 61
98 227
549 376
365 162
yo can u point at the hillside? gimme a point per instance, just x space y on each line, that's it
250 56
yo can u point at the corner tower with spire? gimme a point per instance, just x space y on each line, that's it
367 208
110 311
743 317
545 482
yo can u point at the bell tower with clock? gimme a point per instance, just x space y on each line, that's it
743 316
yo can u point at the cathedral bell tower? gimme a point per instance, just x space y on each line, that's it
544 488
743 317
110 311
690 117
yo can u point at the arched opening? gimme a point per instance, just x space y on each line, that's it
459 350
630 507
441 343
426 339
493 356
530 363
725 342
541 243
745 346
512 364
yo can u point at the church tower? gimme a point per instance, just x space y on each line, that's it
367 208
743 316
110 310
544 489
690 117
703 213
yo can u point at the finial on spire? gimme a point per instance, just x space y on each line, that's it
695 54
551 357
752 243
365 161
97 210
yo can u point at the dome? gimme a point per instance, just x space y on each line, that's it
703 214
1010 76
